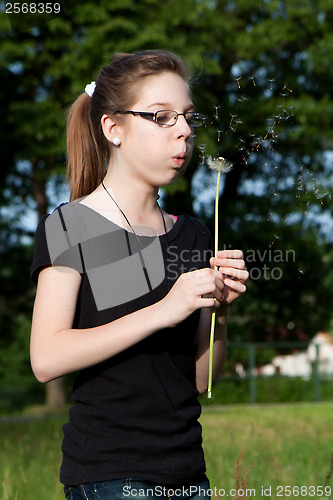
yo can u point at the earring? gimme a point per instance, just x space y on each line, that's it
116 141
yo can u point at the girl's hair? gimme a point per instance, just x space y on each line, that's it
117 86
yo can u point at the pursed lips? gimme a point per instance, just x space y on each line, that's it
179 159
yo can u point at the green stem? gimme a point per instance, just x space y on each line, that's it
212 325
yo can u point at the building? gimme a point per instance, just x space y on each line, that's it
300 364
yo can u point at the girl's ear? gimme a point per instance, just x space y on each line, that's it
110 128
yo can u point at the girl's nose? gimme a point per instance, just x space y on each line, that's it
183 127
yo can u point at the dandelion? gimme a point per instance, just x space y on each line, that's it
221 165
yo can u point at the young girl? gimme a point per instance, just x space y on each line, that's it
125 290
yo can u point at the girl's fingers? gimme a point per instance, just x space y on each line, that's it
237 286
210 288
201 275
229 254
216 303
240 274
238 263
214 288
232 267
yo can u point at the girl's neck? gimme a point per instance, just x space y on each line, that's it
141 208
135 198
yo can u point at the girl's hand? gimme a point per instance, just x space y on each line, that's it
233 273
192 291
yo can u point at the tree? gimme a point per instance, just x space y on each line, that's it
265 84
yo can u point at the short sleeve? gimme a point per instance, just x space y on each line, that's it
41 257
54 245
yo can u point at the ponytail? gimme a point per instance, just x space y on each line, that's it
86 159
117 88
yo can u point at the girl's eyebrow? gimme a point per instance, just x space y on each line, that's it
167 105
163 104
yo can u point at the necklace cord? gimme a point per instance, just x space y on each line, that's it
124 215
142 249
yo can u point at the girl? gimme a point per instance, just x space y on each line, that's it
125 290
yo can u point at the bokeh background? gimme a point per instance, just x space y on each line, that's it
263 76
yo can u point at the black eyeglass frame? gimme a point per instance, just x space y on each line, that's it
152 116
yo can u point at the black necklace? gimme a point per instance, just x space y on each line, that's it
128 222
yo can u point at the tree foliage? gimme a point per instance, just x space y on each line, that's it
263 74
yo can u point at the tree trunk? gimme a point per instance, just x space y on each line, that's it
55 390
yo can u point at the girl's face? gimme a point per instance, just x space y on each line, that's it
157 154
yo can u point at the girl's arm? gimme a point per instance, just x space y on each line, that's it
58 349
234 276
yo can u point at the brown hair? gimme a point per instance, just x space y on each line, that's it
88 151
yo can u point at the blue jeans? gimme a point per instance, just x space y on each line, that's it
123 489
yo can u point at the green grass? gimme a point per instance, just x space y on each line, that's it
289 445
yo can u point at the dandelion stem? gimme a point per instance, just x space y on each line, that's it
212 325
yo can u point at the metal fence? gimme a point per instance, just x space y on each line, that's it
305 361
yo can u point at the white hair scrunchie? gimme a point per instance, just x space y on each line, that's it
90 88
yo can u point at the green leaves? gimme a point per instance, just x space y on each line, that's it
266 66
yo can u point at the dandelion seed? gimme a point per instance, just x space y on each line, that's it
254 83
241 145
232 117
243 99
202 149
237 80
321 192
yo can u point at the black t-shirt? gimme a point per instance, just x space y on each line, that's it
135 414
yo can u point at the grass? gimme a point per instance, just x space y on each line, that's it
290 445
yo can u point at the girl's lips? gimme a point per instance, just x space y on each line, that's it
179 160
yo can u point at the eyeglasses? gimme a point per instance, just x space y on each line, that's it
168 118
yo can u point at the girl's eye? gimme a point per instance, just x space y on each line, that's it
164 117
